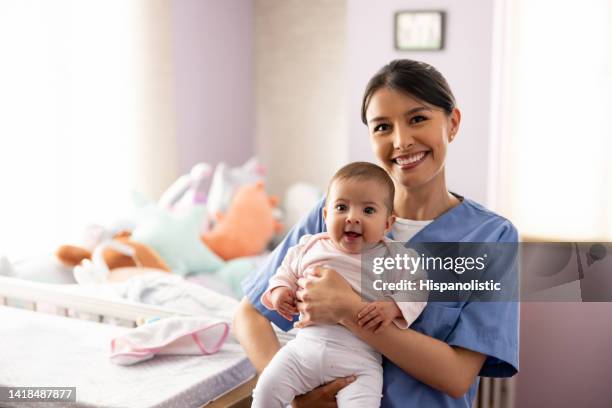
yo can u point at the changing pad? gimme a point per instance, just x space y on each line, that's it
43 350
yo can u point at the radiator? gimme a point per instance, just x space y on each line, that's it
495 393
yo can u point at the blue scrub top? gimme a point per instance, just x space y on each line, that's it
490 328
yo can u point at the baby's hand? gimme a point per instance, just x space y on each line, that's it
378 315
283 300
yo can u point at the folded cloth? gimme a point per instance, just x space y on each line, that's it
172 335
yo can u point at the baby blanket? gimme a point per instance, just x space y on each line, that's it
172 335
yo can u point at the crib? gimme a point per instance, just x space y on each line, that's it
226 380
77 304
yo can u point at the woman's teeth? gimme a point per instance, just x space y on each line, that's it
402 161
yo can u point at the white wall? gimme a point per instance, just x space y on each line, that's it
465 61
300 91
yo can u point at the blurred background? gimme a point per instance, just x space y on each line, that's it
101 98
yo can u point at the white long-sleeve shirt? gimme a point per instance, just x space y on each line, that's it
318 250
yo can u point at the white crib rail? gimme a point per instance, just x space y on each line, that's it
66 297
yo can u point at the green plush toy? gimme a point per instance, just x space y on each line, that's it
176 238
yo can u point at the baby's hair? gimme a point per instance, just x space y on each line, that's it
366 171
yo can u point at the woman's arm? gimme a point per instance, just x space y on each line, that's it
449 369
255 334
327 297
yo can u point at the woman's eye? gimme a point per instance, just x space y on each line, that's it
383 127
340 207
418 119
369 210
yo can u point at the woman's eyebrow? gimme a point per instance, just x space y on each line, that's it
377 119
417 109
410 112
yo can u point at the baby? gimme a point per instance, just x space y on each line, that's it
358 214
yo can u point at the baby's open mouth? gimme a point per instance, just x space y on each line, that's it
352 234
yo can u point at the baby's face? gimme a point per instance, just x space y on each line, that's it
355 214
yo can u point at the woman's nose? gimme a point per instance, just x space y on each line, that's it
402 138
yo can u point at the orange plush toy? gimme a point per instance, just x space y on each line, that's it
144 257
247 226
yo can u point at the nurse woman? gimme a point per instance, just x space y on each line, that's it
412 119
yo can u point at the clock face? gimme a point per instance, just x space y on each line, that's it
419 30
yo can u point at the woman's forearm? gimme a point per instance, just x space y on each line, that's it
326 297
448 369
255 334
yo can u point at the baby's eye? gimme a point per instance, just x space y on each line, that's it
340 207
369 210
383 127
418 119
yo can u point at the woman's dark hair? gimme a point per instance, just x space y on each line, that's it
418 79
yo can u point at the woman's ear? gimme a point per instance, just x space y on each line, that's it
455 120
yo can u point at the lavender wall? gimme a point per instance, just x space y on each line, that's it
213 57
465 61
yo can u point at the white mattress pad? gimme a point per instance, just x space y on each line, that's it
41 350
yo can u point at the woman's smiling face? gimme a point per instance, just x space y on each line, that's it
409 137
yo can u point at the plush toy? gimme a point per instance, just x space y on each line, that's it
170 241
164 240
176 238
97 270
187 191
140 255
227 180
247 226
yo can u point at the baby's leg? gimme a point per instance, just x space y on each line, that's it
366 390
289 374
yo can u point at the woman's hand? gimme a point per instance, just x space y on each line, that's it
326 297
378 315
323 396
